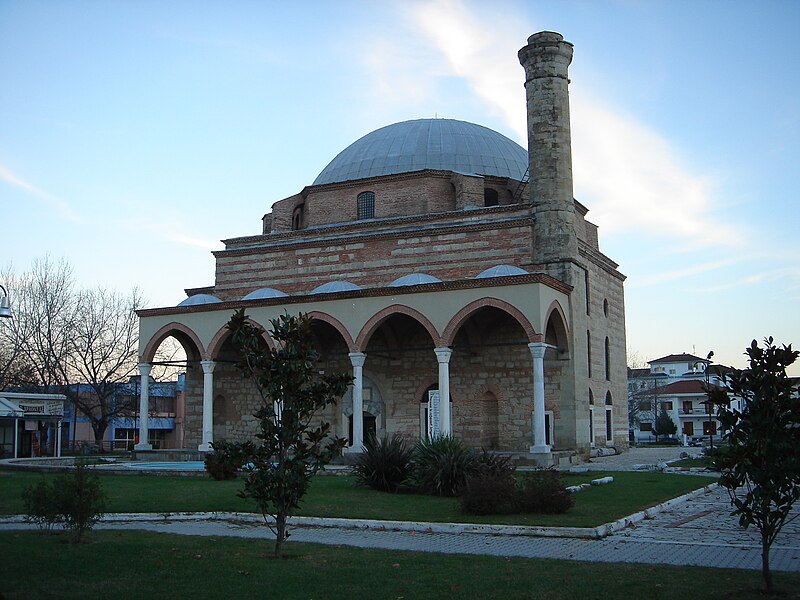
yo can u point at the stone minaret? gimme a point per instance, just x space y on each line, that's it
546 59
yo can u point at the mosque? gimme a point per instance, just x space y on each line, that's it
449 270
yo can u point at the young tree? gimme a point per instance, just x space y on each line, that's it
291 448
761 464
664 425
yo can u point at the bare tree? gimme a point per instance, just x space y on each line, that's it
103 354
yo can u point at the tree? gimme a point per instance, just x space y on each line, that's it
103 352
664 425
291 448
61 337
761 464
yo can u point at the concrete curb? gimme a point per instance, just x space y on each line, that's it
591 533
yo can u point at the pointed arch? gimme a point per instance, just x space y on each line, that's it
185 335
379 317
215 345
556 330
337 325
465 313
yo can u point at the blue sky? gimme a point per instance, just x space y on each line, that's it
136 135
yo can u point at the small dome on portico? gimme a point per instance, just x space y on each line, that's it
198 299
501 271
335 286
264 293
414 279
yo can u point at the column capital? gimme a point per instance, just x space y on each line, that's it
357 359
144 369
443 354
538 349
208 366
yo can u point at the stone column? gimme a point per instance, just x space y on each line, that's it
208 405
443 356
357 360
537 352
57 452
144 407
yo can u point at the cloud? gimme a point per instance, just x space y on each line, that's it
167 231
63 208
632 177
690 271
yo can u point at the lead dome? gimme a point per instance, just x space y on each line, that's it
440 144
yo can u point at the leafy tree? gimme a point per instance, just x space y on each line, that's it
291 448
664 425
761 464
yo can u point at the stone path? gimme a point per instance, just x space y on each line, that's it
698 531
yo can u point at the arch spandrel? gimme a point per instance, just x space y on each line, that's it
337 325
466 312
219 339
395 309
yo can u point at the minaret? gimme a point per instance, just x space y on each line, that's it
546 59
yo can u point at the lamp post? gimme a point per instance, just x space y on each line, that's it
709 407
5 304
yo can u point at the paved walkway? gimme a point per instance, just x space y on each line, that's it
698 531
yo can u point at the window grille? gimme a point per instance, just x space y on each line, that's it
366 205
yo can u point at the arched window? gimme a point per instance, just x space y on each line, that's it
490 197
589 351
609 400
297 217
605 307
366 205
608 360
591 397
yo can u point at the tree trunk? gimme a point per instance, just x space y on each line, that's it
765 572
99 429
280 531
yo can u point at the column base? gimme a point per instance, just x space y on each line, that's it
353 450
143 446
205 447
544 449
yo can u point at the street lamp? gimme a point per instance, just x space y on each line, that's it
5 304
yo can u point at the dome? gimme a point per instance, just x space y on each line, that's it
335 286
414 279
264 293
200 299
442 144
501 271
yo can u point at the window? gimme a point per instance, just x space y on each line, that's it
608 360
645 427
709 428
586 287
605 306
688 428
609 400
609 432
687 407
666 406
589 352
591 397
490 197
672 371
297 217
366 205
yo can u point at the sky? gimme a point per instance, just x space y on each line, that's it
135 135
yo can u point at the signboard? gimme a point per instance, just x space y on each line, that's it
434 427
47 408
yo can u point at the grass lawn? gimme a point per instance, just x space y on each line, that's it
130 565
340 497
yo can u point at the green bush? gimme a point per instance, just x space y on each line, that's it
442 465
489 493
75 499
41 504
544 492
80 499
227 458
385 464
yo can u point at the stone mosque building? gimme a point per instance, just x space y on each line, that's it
449 270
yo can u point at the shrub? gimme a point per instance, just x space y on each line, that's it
80 500
41 505
442 465
544 492
385 464
227 458
487 493
75 499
